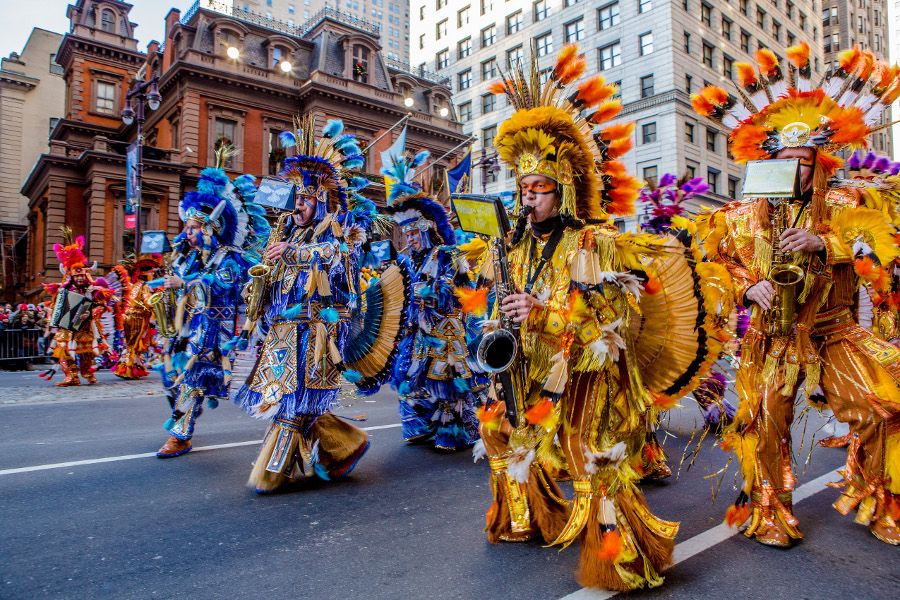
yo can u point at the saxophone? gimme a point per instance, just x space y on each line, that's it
263 274
785 277
164 304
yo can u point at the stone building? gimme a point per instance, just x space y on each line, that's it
658 51
226 77
32 100
846 23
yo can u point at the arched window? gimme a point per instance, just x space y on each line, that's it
360 63
108 21
279 54
91 20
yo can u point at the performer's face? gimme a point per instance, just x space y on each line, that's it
807 158
305 211
539 192
79 278
413 239
193 232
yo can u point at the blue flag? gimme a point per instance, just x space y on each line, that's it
459 178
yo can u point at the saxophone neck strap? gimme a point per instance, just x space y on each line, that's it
546 255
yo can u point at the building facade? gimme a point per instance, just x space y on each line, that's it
866 23
226 78
392 16
32 100
658 51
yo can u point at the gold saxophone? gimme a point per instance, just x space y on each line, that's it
785 276
263 274
164 304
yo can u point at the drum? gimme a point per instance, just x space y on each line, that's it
71 310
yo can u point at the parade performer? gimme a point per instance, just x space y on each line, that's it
599 344
75 303
804 331
301 299
136 328
216 225
434 374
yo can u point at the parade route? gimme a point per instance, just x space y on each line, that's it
88 511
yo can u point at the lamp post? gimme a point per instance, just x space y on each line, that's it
141 92
490 165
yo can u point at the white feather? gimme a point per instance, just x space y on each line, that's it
611 456
479 452
518 465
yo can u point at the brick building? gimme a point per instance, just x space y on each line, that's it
224 78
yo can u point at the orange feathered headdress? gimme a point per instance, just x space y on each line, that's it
772 112
71 252
551 133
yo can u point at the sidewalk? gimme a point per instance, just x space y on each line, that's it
25 387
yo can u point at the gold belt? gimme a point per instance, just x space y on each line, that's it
831 321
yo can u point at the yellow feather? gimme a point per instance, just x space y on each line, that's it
869 225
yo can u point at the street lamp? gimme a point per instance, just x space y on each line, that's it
490 165
444 111
408 101
141 92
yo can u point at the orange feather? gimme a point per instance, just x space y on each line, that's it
702 105
569 65
606 111
828 162
849 59
489 415
737 515
472 301
865 268
620 147
849 126
610 546
594 91
618 131
539 412
715 94
799 54
497 87
622 201
866 65
766 60
653 285
564 60
746 74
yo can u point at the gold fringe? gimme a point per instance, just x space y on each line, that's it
762 256
813 376
771 365
581 512
791 374
568 200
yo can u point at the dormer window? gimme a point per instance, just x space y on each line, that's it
279 55
231 43
108 21
360 63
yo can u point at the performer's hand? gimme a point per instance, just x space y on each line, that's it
800 240
173 281
276 251
761 294
519 305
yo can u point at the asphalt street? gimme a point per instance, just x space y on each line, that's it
120 523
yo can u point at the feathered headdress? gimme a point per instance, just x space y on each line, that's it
553 133
71 252
323 168
773 112
425 215
667 198
400 177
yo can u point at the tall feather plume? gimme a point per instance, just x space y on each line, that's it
835 84
749 86
770 73
799 57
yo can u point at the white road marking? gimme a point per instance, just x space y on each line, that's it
709 538
95 461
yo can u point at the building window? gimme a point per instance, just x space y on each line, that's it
487 6
745 7
688 83
464 48
440 30
105 101
712 178
726 29
645 41
464 80
733 187
745 41
802 21
487 136
708 54
488 69
650 175
646 86
789 9
791 39
462 17
830 16
514 22
687 43
648 133
544 44
711 137
728 67
832 42
108 21
422 42
488 103
608 16
574 31
760 18
689 132
644 5
464 111
776 31
488 36
276 153
53 122
224 136
706 14
541 10
610 56
360 63
442 59
515 56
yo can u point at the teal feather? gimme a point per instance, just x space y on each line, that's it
333 128
329 315
352 375
292 312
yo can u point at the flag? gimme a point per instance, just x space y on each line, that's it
459 177
388 184
390 156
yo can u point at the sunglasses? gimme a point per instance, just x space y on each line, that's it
538 187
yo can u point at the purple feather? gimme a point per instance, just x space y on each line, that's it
869 160
895 168
882 164
667 179
855 161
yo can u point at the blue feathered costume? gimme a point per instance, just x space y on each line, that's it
433 373
306 321
214 267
